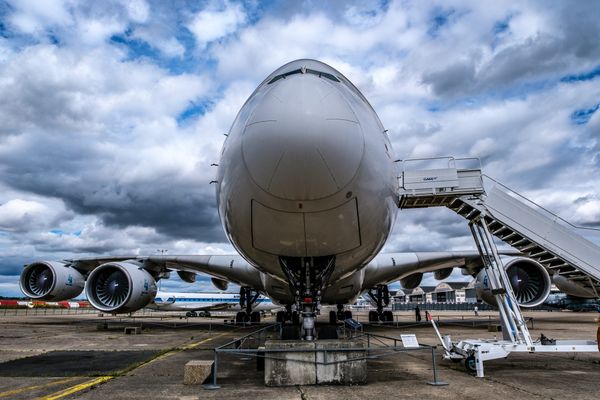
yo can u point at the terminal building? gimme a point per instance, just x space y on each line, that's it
444 292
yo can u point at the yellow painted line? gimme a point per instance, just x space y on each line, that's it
30 388
102 379
76 388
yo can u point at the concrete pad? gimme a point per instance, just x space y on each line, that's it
338 370
290 368
195 372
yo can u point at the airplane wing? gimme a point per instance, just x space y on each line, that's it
230 268
410 267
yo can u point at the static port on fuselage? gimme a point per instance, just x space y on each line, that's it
317 177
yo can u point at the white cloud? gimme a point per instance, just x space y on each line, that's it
212 24
20 214
33 16
138 10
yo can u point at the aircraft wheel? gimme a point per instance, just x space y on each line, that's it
280 317
240 317
332 317
255 317
373 316
388 316
471 365
188 314
295 318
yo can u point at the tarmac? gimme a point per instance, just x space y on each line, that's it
87 356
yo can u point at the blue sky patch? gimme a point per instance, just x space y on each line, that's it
194 110
439 20
136 48
584 76
582 117
501 26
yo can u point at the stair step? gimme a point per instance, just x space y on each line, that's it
521 242
510 236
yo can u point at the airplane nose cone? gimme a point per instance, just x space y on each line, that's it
303 140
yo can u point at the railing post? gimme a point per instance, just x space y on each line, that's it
213 385
435 379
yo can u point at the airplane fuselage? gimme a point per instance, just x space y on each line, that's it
306 173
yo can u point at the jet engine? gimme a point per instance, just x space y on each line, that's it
412 281
120 287
529 280
220 283
572 288
51 280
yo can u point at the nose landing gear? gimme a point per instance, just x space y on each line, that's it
307 275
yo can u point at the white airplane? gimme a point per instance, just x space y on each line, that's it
307 192
201 304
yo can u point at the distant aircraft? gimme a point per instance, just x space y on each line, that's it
201 304
307 192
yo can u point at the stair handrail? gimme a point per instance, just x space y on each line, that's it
451 161
539 206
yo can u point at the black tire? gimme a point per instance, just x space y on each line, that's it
295 318
332 317
290 332
373 316
280 317
188 314
470 364
255 317
347 314
240 317
328 332
388 316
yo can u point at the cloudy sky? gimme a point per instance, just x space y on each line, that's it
112 112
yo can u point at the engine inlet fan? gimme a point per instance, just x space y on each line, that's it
40 280
112 287
528 283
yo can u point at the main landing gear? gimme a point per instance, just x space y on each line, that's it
381 296
340 315
247 299
193 314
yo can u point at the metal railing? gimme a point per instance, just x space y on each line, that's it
386 346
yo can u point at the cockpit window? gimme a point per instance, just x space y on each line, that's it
305 71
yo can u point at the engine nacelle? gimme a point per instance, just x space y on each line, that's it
411 281
220 283
572 288
442 274
51 280
529 280
120 287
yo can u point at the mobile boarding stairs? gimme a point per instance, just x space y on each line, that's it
510 217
